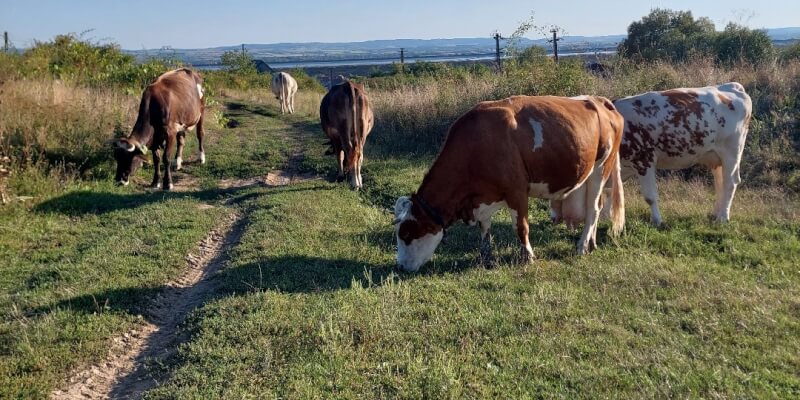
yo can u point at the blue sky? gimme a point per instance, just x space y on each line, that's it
140 24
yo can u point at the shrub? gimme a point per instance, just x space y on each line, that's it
675 36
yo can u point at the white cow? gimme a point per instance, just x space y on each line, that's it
680 128
284 87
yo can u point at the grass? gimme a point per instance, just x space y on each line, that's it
80 261
310 305
312 309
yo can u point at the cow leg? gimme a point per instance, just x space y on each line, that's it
181 138
340 160
519 217
355 177
156 184
718 189
170 148
647 184
730 179
291 104
486 240
594 188
200 134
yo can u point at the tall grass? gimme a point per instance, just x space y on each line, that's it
59 128
414 117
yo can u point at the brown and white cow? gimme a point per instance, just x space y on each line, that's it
499 154
680 128
347 119
284 87
169 107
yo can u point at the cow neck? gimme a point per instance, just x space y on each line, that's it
143 130
438 201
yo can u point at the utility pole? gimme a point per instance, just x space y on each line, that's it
402 60
330 78
5 42
242 48
497 38
554 41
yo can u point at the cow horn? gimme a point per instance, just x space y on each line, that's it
142 148
396 221
124 144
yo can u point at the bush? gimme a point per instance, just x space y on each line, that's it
675 36
71 59
791 52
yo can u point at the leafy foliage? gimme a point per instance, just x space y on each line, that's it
676 36
72 59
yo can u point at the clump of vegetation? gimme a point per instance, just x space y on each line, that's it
676 36
71 59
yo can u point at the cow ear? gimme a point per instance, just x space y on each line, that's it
402 207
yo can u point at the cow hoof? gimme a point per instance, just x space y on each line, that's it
526 256
202 158
329 152
169 187
178 164
340 179
155 186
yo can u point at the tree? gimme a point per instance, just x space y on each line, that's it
668 35
738 43
238 62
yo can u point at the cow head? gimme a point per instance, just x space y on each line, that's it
130 157
417 235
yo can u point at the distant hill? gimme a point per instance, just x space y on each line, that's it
381 49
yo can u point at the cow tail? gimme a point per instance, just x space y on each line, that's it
617 199
353 130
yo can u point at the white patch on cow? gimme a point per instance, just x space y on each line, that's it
202 157
538 133
410 257
124 183
484 212
179 127
178 163
542 191
200 90
514 216
581 97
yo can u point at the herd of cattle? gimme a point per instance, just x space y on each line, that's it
574 152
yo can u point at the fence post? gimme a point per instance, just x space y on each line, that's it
555 40
402 60
5 42
497 38
330 78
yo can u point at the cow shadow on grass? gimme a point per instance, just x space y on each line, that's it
89 202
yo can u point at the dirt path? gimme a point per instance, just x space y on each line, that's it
124 374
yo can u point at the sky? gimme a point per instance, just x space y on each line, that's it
138 24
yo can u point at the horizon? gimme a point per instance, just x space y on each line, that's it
207 24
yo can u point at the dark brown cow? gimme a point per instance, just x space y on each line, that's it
347 119
499 154
169 107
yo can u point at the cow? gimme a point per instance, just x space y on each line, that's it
169 107
499 154
680 128
284 87
347 119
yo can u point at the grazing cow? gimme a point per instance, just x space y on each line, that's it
499 154
284 87
680 128
169 107
347 119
